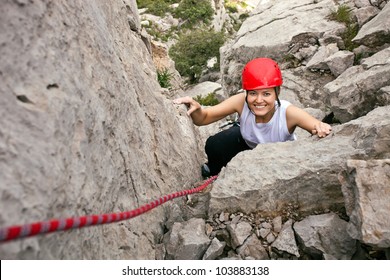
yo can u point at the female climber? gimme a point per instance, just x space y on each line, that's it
264 118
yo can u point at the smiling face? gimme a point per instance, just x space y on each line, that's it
262 103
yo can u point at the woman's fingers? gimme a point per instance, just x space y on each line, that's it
183 100
189 102
321 129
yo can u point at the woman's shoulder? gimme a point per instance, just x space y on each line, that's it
285 103
239 101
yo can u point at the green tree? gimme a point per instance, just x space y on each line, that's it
193 50
194 11
156 7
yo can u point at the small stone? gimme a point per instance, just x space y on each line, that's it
236 219
264 232
222 217
270 238
214 250
277 222
266 225
209 229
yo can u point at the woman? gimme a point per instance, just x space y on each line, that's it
263 117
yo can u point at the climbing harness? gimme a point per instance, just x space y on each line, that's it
27 230
229 123
235 122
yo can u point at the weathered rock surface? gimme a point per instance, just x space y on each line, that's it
277 174
205 88
286 240
214 250
239 233
355 92
187 240
326 235
376 31
366 188
84 129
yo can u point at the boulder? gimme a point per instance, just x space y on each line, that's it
285 242
187 240
304 172
365 185
355 92
376 32
253 248
326 235
214 250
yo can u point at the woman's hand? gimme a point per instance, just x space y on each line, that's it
321 129
191 104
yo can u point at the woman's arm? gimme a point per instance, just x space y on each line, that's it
203 116
298 117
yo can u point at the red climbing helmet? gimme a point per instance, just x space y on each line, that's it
261 73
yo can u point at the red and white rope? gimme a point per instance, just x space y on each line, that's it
27 230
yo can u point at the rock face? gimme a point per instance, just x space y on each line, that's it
369 181
376 31
326 235
297 180
85 130
358 90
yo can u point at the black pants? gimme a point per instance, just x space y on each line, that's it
222 147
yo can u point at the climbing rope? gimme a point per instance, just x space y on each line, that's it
20 231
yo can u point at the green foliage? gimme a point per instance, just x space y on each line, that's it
190 12
209 100
244 16
291 60
349 34
194 11
344 15
231 7
154 31
237 23
193 50
156 7
164 78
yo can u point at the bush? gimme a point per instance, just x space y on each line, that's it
193 50
344 15
164 78
231 7
156 7
192 12
209 100
349 34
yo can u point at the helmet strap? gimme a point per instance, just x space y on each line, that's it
277 91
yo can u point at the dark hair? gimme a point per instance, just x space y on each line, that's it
277 91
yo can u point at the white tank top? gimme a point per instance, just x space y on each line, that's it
259 133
